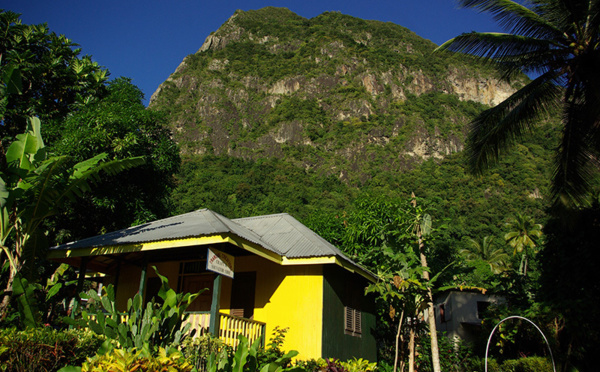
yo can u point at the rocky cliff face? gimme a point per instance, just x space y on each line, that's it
335 93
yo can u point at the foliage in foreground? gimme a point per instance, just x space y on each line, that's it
45 349
119 360
34 186
142 327
246 359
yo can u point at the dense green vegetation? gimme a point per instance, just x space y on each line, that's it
342 82
342 155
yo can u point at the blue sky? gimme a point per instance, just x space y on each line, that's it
146 40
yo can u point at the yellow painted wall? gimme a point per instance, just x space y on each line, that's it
289 296
286 296
129 284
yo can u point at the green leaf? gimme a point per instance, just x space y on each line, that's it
53 290
19 152
70 369
12 79
23 291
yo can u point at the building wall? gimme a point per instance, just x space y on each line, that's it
289 297
292 296
462 320
340 289
127 286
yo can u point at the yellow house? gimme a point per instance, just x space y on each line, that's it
284 275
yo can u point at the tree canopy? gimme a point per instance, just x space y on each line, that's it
52 77
120 126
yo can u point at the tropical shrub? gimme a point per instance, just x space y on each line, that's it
529 364
141 327
333 365
453 355
121 360
45 349
245 359
197 350
274 349
311 365
359 365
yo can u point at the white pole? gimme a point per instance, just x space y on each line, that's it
522 318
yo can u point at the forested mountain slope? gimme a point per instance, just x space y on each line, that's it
278 113
334 93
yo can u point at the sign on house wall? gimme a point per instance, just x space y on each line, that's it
220 262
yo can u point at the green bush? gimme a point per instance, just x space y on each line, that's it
197 350
453 355
120 360
274 349
359 365
311 365
245 359
530 364
45 349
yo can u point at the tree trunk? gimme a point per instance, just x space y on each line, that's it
398 339
435 351
7 295
411 348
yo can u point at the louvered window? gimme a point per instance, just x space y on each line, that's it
352 321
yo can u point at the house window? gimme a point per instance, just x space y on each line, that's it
352 321
193 277
482 307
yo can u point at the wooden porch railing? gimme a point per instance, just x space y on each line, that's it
199 320
230 327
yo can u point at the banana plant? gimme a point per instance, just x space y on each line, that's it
144 326
33 187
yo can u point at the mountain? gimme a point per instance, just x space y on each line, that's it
335 94
278 113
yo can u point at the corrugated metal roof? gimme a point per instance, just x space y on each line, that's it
279 233
292 237
289 235
203 222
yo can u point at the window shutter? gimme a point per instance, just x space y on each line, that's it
352 321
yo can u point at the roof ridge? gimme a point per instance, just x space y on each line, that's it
262 217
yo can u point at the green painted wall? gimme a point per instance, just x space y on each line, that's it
342 288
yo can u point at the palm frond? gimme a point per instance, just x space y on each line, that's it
495 129
574 162
515 18
494 45
80 182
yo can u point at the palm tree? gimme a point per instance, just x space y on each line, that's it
557 41
524 234
495 257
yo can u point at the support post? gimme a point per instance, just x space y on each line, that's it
81 277
74 305
143 276
215 306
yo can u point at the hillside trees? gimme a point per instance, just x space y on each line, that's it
393 238
559 41
120 126
54 78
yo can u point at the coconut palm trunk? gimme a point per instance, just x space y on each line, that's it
435 352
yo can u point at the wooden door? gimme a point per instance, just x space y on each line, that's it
242 294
